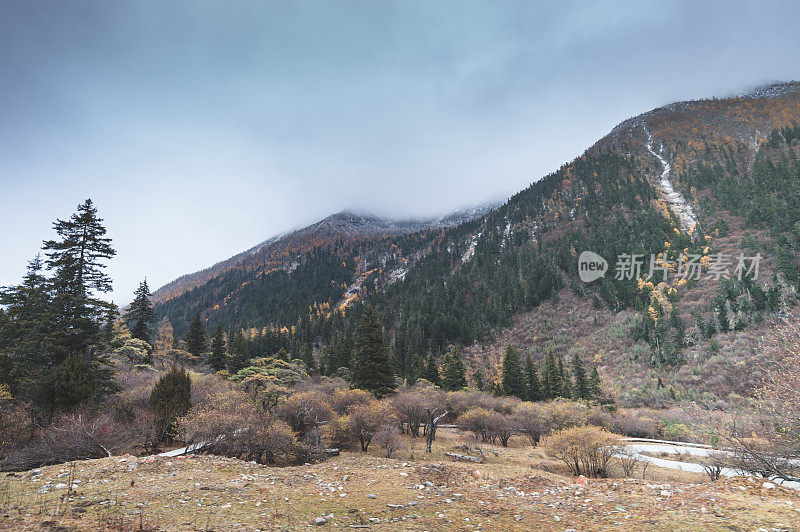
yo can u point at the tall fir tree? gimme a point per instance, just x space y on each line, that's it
340 351
513 380
238 352
565 380
453 372
77 260
532 378
373 368
219 355
29 317
432 374
581 389
594 384
307 356
551 382
141 315
196 337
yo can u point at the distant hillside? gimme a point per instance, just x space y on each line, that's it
340 235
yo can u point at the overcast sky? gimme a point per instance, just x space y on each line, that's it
202 128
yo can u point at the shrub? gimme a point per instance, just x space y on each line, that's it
530 420
15 425
170 399
342 401
389 438
285 373
305 412
366 420
488 425
231 425
73 436
135 351
585 450
410 409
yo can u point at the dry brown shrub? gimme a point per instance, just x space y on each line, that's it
585 450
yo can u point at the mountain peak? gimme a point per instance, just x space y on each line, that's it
773 89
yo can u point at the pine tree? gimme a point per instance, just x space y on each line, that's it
373 368
238 352
196 338
565 381
582 385
29 319
513 380
594 383
218 358
307 356
72 383
551 382
340 351
77 260
531 375
432 374
170 399
282 354
453 371
141 315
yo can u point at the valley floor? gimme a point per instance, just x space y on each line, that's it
520 488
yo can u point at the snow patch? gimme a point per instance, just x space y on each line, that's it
672 197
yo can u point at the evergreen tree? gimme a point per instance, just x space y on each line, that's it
432 370
77 260
219 355
453 371
282 354
565 381
373 368
340 351
551 382
531 375
170 399
141 314
238 352
513 380
582 386
307 356
196 338
594 383
72 383
28 318
415 367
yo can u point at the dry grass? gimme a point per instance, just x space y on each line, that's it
519 488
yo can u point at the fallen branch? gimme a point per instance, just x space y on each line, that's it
465 458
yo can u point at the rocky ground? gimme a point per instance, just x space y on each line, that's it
518 489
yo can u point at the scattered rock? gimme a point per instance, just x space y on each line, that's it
320 521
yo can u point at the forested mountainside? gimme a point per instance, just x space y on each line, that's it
323 265
701 178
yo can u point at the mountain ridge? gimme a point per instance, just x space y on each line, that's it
352 223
